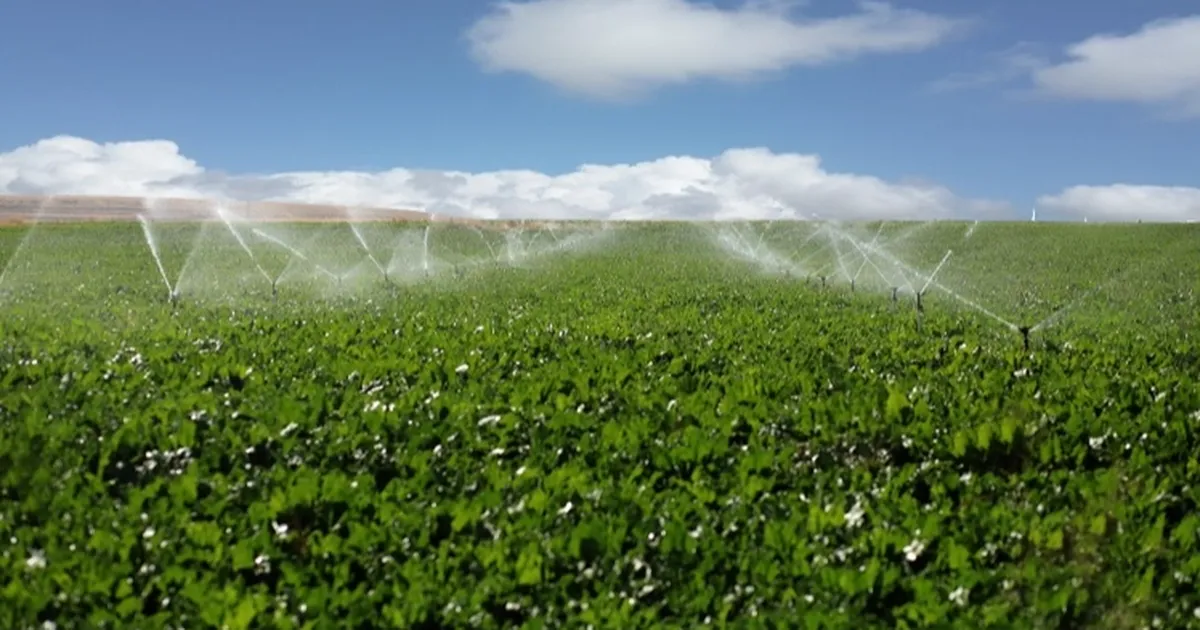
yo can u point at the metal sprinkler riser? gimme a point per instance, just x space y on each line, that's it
1025 330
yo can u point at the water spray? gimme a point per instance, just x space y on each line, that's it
425 250
171 293
224 216
363 243
295 252
929 280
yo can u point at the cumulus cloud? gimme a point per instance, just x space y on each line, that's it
1126 202
617 49
746 183
1158 64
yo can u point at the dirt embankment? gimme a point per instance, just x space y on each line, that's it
24 209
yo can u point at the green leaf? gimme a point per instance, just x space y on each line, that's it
529 565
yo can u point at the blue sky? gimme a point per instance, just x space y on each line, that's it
274 86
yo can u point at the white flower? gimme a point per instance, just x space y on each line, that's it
913 550
566 509
462 369
36 560
855 516
148 533
493 419
959 596
281 529
49 625
292 426
965 477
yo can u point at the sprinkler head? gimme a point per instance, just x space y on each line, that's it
822 282
1025 330
894 291
173 297
852 286
920 302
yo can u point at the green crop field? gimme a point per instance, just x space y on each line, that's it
622 426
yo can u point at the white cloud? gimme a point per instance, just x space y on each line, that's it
615 49
1008 65
69 165
1126 202
739 183
1158 64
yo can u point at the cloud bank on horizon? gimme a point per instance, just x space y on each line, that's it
739 184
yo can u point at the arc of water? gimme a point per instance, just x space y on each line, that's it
936 270
952 293
863 252
363 242
295 252
486 242
908 233
150 241
1058 315
224 216
812 235
882 276
37 221
883 253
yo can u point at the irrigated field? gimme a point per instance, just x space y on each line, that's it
622 427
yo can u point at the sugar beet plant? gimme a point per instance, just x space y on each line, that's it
651 434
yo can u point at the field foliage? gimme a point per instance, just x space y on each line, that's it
641 428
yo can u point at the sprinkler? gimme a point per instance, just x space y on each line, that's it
275 289
852 285
1025 330
173 297
920 311
822 282
894 291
